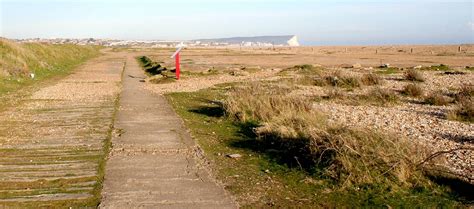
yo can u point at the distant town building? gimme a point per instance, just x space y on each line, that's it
259 41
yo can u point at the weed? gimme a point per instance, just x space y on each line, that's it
371 79
437 98
414 75
380 97
159 79
441 67
466 92
464 110
388 71
413 90
337 79
303 70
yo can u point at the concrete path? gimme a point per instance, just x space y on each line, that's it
153 162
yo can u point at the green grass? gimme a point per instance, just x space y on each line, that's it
440 67
261 180
388 71
44 60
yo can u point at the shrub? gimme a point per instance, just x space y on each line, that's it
303 70
258 102
413 90
379 96
464 111
414 75
337 79
335 93
437 98
371 79
466 92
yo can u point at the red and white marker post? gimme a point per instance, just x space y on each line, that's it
176 56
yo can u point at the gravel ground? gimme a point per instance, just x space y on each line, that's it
417 122
198 83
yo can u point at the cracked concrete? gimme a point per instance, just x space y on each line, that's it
154 162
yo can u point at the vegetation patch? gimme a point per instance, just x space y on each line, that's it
440 67
371 79
337 79
292 157
413 90
303 70
437 98
151 67
464 109
388 71
25 64
414 75
380 97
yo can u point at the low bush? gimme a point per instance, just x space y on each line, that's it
437 98
303 70
413 90
414 75
381 97
337 79
371 79
464 111
465 92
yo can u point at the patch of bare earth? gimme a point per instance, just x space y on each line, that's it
53 141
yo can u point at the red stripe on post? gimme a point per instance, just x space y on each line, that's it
177 66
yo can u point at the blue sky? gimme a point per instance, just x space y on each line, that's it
317 22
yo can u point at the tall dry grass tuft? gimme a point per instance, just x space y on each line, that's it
348 156
414 75
250 103
437 98
371 79
413 90
464 110
339 79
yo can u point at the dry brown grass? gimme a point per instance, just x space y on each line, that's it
465 92
381 97
263 105
349 156
414 75
464 111
371 79
437 98
413 90
339 79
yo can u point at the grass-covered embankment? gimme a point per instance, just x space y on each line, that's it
19 61
292 157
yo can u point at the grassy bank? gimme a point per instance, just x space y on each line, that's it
291 157
19 61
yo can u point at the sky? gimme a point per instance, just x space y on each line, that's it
316 22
